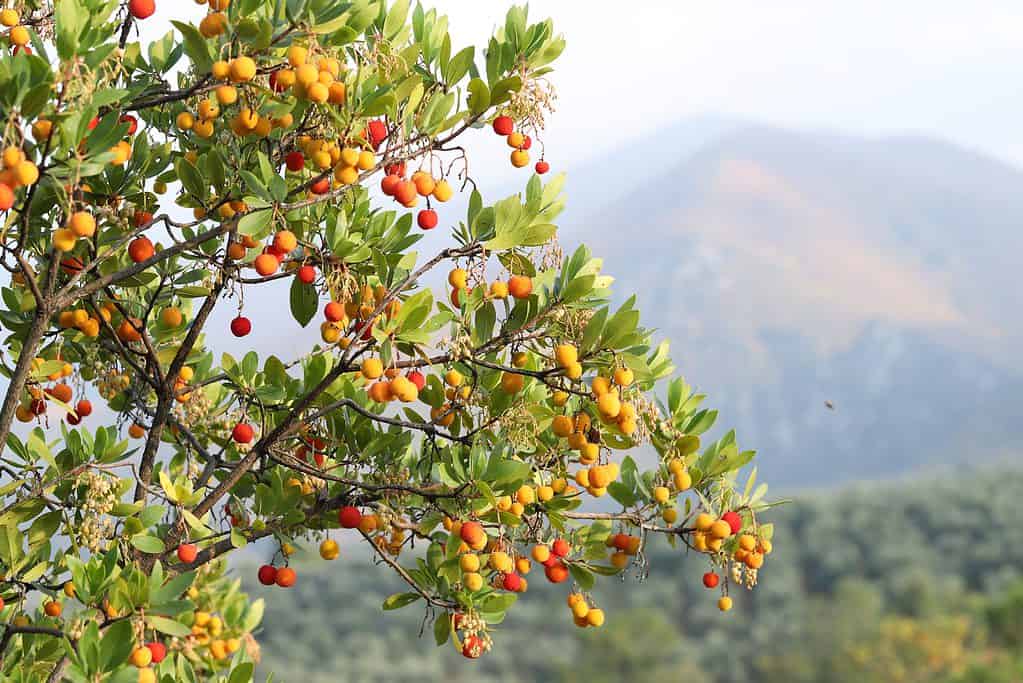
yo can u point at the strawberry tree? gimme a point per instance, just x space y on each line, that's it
473 437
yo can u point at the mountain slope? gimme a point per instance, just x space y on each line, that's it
793 268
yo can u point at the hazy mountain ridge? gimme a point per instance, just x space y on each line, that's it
804 267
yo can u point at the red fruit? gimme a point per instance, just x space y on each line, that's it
395 169
142 218
307 275
710 580
285 577
621 541
457 620
241 326
84 408
19 49
187 552
556 573
472 532
72 419
158 650
295 161
274 84
133 123
38 406
734 521
389 185
334 312
141 249
72 265
141 9
405 192
551 561
278 254
527 142
503 125
542 167
560 547
417 378
321 186
377 133
512 582
472 647
6 197
242 432
349 516
267 575
427 219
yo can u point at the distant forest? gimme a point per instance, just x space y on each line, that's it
910 581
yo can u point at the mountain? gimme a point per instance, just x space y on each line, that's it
793 268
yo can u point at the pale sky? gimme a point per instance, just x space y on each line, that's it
948 68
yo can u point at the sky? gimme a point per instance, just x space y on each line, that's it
936 67
940 67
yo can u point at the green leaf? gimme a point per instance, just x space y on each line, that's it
304 301
582 576
168 626
479 96
242 673
255 223
147 544
399 600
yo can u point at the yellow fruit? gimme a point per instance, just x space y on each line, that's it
725 603
683 480
595 617
670 516
601 386
297 55
662 494
372 368
242 69
458 278
227 95
13 156
472 581
82 224
19 36
720 529
520 158
499 289
442 191
469 563
141 657
221 70
147 675
500 561
525 495
704 521
9 18
562 425
566 355
609 405
560 398
453 378
512 383
64 239
624 377
329 549
26 173
317 93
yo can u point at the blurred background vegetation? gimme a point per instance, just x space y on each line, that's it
903 581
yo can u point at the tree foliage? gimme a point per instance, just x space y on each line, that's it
459 433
